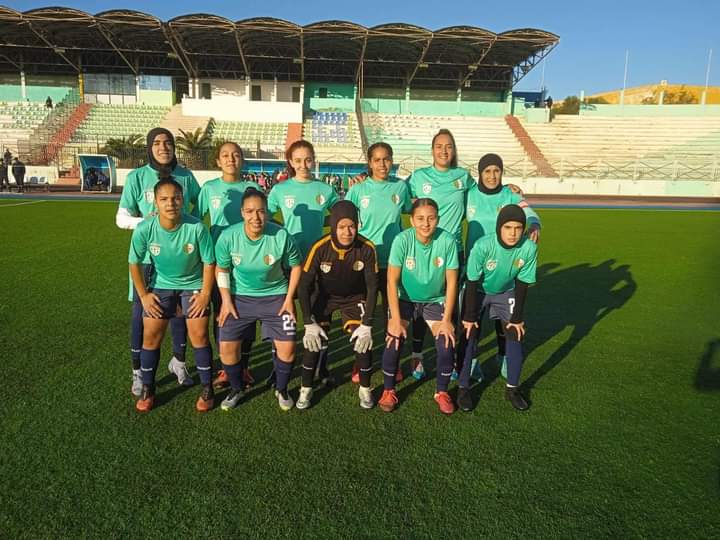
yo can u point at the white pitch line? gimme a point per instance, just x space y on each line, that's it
20 203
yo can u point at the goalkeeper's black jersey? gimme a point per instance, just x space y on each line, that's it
340 273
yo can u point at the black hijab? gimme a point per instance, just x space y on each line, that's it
511 212
342 210
150 140
486 161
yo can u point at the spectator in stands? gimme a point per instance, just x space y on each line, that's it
49 103
8 156
18 171
4 181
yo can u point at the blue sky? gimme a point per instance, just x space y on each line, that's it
667 39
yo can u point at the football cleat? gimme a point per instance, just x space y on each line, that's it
147 399
445 402
178 368
513 395
137 384
388 401
232 400
303 401
366 397
221 381
206 399
284 400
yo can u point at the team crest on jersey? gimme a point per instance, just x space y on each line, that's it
426 189
236 259
438 262
289 201
471 211
155 249
395 198
269 259
320 199
410 263
215 202
519 263
149 196
358 265
491 265
188 248
325 267
365 202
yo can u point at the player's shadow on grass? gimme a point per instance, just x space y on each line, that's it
707 377
578 297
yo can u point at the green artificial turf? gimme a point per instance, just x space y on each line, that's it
622 440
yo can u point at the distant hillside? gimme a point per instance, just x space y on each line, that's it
636 95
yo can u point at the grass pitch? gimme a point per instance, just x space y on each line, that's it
623 370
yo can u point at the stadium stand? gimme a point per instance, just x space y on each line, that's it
584 139
411 136
17 122
267 136
335 135
111 121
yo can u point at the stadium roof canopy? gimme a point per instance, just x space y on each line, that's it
58 40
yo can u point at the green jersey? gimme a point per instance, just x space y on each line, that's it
223 201
448 189
303 206
177 256
422 267
138 196
258 266
483 209
380 206
497 267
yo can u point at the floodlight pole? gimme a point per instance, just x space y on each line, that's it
622 94
707 78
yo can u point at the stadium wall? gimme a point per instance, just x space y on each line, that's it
649 111
37 87
435 108
239 110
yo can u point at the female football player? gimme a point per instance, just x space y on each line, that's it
341 274
422 283
500 268
136 203
254 258
180 250
222 199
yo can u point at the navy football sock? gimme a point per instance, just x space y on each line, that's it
136 334
203 362
282 374
501 339
419 329
245 349
364 362
234 373
149 359
179 337
445 356
390 360
310 360
514 362
470 352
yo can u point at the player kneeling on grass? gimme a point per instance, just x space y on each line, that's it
253 257
422 282
181 253
341 273
499 270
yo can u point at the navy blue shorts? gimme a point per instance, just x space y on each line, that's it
431 312
352 310
264 309
175 303
217 304
498 306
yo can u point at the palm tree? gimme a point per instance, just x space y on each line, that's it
129 152
195 148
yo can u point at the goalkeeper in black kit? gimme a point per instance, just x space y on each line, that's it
339 274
